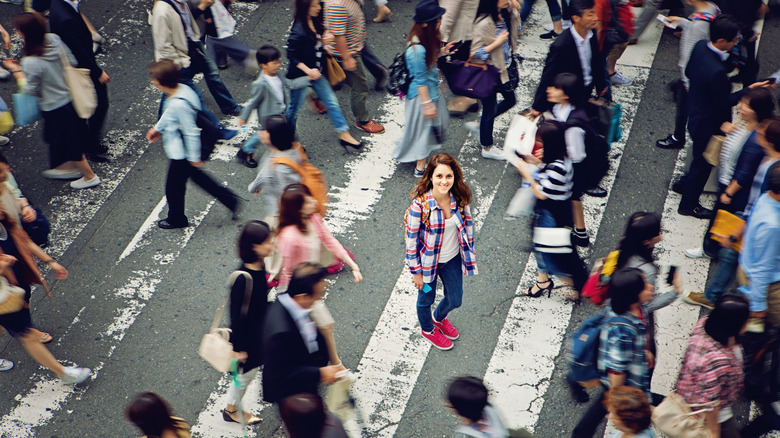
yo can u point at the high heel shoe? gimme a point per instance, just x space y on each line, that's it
253 419
345 143
541 290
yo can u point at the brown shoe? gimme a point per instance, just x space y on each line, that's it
316 105
371 127
459 105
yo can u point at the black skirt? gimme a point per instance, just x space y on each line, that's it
65 133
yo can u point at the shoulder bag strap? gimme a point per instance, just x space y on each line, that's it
247 288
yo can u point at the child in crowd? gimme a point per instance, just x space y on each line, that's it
629 411
468 397
269 98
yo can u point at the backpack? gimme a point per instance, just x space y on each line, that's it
209 132
596 150
398 79
584 348
425 214
762 366
596 289
311 177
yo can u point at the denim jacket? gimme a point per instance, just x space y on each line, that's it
181 136
420 73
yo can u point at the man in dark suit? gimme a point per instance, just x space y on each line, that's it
574 51
296 355
66 21
709 105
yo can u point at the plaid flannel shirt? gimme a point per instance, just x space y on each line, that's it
710 371
622 350
423 242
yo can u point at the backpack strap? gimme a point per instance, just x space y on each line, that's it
619 320
287 161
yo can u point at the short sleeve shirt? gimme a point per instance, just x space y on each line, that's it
345 18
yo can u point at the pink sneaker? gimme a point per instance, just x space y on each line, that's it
447 329
437 339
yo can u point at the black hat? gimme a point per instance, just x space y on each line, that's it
427 11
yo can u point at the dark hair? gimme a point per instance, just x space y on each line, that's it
630 405
267 53
641 226
150 413
3 159
727 318
578 7
252 233
290 204
772 132
723 27
303 415
468 396
430 39
625 285
551 135
165 72
774 178
460 190
761 101
487 8
570 84
304 276
280 132
301 16
32 26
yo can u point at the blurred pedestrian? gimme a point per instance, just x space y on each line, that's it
468 397
304 416
629 411
152 415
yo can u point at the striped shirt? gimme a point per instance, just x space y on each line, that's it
345 18
556 179
424 241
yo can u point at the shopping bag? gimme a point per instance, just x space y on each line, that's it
82 90
520 137
712 151
522 204
26 109
675 418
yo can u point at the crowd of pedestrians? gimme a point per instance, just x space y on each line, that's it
291 339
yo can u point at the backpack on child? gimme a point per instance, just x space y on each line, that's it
584 348
596 289
311 176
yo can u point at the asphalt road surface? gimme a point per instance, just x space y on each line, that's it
139 298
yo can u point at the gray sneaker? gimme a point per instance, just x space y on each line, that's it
618 79
493 153
62 174
75 375
6 364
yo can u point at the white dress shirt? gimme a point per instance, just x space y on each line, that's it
723 55
74 3
301 317
583 49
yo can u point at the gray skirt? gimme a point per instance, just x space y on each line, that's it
418 140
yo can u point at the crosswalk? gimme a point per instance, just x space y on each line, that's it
519 356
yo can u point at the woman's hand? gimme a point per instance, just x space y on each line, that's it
313 74
448 47
240 356
357 276
502 37
429 111
6 261
417 280
60 272
728 127
28 213
104 78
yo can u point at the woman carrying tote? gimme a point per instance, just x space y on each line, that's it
41 75
307 58
426 111
495 37
440 244
247 314
552 187
303 237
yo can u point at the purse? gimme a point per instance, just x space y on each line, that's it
11 297
334 71
26 108
82 90
605 117
553 240
215 346
712 151
477 81
675 418
514 74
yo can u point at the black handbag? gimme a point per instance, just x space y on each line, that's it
513 71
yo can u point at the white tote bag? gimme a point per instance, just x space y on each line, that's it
215 347
520 137
553 240
225 24
82 90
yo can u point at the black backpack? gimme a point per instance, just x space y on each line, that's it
398 79
596 162
209 132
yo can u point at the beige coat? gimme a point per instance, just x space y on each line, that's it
485 33
458 21
170 40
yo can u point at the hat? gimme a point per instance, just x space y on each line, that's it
427 11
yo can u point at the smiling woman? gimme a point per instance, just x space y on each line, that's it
440 242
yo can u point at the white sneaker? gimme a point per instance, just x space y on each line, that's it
4 140
549 26
618 79
695 253
62 174
493 153
82 183
473 127
75 375
6 364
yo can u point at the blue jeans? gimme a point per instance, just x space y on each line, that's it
251 144
221 48
322 87
491 109
728 260
451 274
201 62
552 5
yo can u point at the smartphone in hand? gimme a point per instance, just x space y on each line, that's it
670 276
667 22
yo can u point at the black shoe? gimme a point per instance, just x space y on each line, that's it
381 81
235 111
698 212
346 144
578 393
579 240
678 187
165 225
670 143
246 159
596 192
551 35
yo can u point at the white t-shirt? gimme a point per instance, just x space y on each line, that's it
450 244
276 86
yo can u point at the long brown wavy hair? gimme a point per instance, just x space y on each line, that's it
460 190
430 39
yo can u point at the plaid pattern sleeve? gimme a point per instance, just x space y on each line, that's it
622 350
467 244
413 225
710 371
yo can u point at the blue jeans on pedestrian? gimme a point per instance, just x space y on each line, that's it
325 93
251 144
728 260
451 274
221 48
552 5
491 109
201 62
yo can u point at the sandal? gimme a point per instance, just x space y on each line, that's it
46 338
540 292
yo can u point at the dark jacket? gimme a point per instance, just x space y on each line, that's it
247 328
289 367
72 30
564 58
301 48
745 171
709 97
